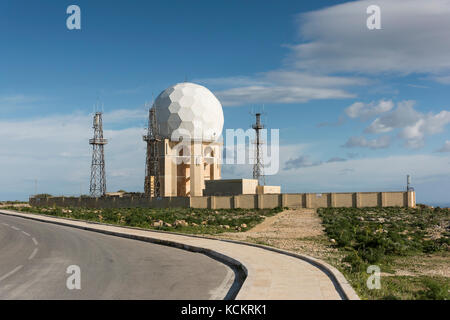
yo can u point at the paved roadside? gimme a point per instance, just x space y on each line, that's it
271 273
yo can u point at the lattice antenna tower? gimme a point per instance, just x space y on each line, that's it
152 185
98 177
258 166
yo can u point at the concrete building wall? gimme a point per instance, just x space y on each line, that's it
200 202
370 199
319 200
293 200
223 187
268 189
185 166
269 201
234 187
249 201
230 187
222 202
343 200
245 201
396 199
249 186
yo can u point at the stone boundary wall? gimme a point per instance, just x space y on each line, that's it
257 201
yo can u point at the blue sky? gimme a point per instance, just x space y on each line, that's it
376 100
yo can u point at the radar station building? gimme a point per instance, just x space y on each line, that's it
184 146
189 121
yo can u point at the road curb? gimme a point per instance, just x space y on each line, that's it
340 283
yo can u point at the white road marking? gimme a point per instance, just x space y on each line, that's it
5 224
33 254
26 233
15 228
35 241
11 273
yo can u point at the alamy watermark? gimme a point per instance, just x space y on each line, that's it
374 280
240 148
73 282
374 20
73 22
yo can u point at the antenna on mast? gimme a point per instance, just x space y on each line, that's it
408 183
98 177
258 166
152 186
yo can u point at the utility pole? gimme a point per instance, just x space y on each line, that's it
258 166
152 186
98 177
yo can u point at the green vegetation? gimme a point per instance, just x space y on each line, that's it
409 288
389 237
184 220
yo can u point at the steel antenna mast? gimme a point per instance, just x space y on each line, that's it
152 186
98 178
258 166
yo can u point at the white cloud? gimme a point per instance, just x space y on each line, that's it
233 81
368 110
336 159
414 38
304 161
281 86
300 162
16 101
361 142
277 94
445 147
442 79
404 115
124 115
414 126
298 78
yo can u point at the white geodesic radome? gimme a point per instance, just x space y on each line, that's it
189 109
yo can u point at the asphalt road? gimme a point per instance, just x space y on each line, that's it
34 257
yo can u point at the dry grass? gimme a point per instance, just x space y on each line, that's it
436 264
